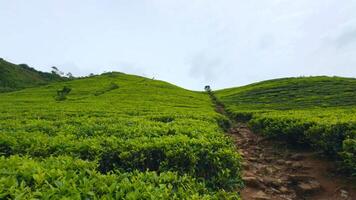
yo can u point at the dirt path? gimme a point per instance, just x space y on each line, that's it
272 171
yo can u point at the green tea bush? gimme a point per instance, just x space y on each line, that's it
181 154
152 140
62 94
348 155
65 177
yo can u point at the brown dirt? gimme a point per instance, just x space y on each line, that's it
273 171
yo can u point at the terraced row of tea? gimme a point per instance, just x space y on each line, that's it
143 139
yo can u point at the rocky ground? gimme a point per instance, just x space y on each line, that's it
272 171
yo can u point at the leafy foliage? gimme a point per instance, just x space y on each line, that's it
148 138
67 177
14 77
62 94
315 111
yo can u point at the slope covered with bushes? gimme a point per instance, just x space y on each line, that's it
114 136
14 77
317 111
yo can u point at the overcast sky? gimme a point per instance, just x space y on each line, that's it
190 43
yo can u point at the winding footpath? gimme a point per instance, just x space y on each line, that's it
273 171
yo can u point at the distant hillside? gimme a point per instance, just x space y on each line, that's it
14 77
293 93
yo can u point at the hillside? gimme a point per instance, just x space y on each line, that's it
114 136
293 93
14 77
120 136
315 111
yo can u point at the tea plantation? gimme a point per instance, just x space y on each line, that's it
315 111
114 136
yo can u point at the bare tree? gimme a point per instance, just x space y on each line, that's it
55 70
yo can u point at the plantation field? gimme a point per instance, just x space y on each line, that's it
317 111
114 136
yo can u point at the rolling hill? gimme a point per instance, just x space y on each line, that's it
120 136
14 77
114 136
293 93
316 111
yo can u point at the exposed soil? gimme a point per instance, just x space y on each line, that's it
273 171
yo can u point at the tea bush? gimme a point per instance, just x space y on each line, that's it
146 139
67 177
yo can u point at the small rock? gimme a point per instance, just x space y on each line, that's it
283 189
248 174
272 181
297 157
309 187
289 163
245 165
251 181
269 170
281 162
300 178
287 198
344 194
260 196
275 191
297 165
252 159
268 159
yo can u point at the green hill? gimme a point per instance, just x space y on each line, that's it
293 93
114 136
317 111
14 77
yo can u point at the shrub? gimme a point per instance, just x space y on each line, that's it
348 155
112 86
62 94
65 177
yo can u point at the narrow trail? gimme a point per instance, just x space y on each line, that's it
271 171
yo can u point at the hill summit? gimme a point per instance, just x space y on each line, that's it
14 77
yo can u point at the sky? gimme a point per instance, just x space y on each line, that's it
190 43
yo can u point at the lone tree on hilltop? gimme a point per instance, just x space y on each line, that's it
207 88
55 70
